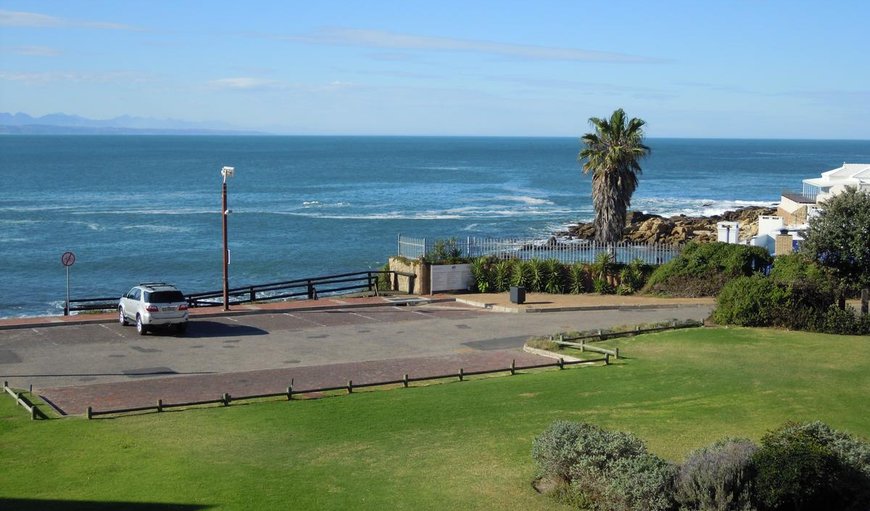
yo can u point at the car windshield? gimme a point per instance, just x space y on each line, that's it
164 297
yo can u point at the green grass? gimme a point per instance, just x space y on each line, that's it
442 446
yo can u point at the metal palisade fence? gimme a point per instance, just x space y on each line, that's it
563 250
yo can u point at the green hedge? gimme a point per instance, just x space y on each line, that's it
797 296
703 269
493 275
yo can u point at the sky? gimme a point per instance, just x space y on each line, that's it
704 69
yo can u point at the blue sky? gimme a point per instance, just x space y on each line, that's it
739 69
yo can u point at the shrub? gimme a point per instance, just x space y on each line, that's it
445 252
703 268
717 477
844 321
639 483
577 278
536 275
553 276
604 265
602 286
502 275
613 470
748 301
811 466
849 450
521 274
384 280
555 450
793 471
481 270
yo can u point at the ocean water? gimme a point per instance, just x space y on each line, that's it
137 208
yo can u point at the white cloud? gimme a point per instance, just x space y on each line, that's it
397 41
39 78
36 20
245 83
31 51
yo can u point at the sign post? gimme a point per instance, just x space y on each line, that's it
67 259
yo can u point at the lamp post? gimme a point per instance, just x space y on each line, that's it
226 172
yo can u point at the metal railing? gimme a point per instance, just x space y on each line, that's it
563 250
310 288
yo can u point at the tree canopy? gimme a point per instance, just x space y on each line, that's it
839 237
612 154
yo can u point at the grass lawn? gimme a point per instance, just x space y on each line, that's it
457 445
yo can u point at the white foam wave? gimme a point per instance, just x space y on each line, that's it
672 206
156 228
530 201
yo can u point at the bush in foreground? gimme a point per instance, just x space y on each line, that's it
717 477
603 470
797 467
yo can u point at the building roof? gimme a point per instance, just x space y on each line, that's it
854 174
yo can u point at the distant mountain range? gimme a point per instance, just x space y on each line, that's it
63 124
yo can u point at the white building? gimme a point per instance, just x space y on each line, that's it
782 233
833 182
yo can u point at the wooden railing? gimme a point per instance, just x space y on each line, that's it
310 288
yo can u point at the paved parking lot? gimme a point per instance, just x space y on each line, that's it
81 354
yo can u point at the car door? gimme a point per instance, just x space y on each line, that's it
129 303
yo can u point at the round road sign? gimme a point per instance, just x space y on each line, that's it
68 258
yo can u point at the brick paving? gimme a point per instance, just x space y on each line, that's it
181 389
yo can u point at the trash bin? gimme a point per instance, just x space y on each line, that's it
518 294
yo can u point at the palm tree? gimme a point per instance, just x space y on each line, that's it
612 154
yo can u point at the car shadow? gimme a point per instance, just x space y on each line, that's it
201 329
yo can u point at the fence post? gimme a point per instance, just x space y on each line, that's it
253 295
865 301
513 367
461 374
350 386
289 392
33 413
89 413
617 353
607 359
159 405
561 363
226 399
405 380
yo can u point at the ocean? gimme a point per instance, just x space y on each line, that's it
146 208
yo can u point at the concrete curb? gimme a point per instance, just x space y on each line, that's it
535 310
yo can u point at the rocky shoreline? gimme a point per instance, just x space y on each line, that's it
649 228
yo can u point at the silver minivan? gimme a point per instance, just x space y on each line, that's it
153 304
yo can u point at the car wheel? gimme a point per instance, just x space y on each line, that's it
121 317
140 327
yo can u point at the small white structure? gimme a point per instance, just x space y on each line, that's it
728 232
833 182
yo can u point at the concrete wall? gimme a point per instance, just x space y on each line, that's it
421 282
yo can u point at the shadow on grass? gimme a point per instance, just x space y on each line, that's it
90 505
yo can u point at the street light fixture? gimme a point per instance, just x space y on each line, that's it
226 172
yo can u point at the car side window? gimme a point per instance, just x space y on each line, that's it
132 294
137 293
